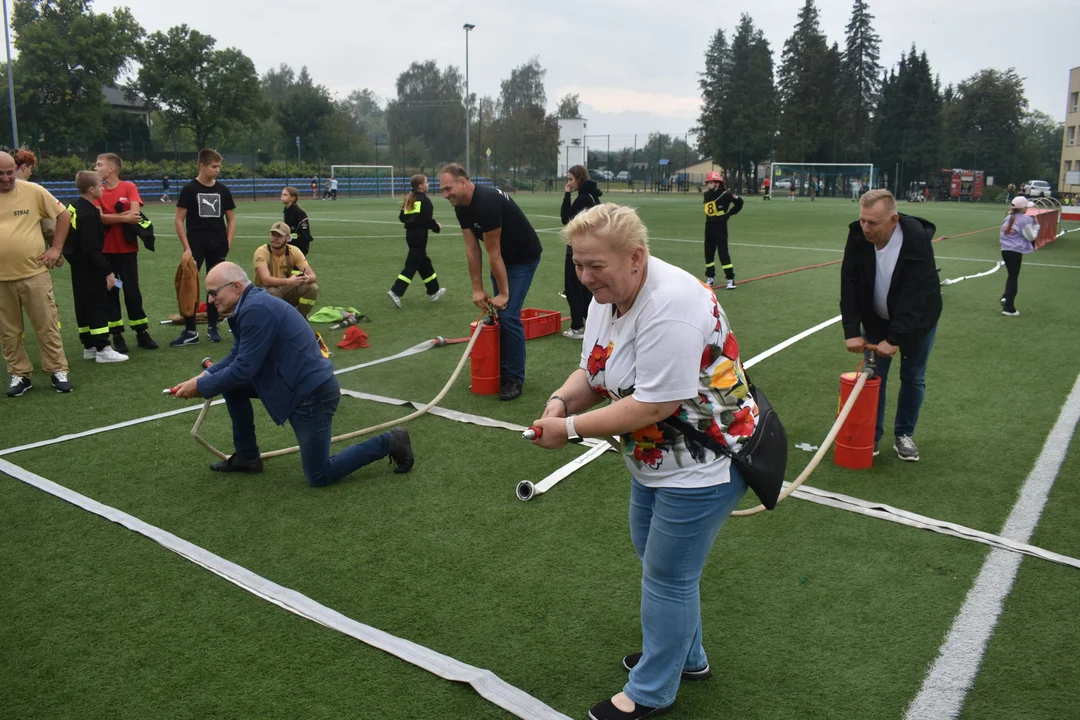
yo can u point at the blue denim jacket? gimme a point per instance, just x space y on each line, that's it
275 350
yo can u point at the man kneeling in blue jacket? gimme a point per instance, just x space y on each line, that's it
276 357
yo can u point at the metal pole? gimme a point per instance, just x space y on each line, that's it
609 161
468 165
251 141
10 82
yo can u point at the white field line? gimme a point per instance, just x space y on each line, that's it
489 685
953 673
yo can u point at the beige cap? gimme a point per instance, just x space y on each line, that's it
280 228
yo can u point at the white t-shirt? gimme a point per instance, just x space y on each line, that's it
333 183
675 343
886 264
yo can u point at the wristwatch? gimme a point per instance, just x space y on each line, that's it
571 433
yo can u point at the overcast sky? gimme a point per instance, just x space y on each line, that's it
635 63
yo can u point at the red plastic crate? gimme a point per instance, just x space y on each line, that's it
539 323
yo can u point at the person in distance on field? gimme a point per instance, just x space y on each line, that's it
417 214
577 295
720 204
297 220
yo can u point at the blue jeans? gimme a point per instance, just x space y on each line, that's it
672 530
511 331
914 358
312 422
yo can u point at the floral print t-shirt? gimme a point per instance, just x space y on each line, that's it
675 343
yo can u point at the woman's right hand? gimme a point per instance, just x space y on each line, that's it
568 187
110 281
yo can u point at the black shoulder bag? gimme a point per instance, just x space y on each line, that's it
762 460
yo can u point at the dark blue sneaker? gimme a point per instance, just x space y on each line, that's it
188 337
212 334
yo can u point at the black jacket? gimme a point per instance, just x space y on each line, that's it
419 217
588 196
720 205
86 237
914 299
297 220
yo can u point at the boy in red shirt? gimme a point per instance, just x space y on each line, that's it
120 204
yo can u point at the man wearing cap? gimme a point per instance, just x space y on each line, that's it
890 296
720 204
283 270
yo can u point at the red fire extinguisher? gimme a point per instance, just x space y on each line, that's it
484 359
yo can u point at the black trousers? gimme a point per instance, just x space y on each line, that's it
126 267
1012 264
577 295
416 261
716 242
92 304
210 251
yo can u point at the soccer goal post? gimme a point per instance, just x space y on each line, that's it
365 180
821 179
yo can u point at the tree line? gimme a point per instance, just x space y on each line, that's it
823 103
832 104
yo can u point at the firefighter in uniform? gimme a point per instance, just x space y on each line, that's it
720 204
417 214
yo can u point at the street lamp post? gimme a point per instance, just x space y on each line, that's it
10 82
468 166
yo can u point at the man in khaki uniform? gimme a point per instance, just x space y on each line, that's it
24 279
283 270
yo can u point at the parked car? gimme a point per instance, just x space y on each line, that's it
784 183
623 176
1036 188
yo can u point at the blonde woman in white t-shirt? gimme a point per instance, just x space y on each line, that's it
658 346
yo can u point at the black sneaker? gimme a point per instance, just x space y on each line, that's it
511 390
188 337
120 344
234 464
629 661
607 711
18 386
145 341
212 334
60 382
401 454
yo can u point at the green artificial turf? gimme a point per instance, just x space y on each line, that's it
809 612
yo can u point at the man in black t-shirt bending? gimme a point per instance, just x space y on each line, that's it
204 206
489 216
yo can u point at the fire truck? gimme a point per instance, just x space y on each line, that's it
958 184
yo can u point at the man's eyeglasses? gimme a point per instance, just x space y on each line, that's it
213 293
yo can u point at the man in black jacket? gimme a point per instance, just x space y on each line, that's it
890 295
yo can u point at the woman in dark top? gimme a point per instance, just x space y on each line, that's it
417 214
577 295
297 220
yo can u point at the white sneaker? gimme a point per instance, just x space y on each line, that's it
108 355
394 298
1014 313
438 294
711 282
89 353
574 334
730 285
